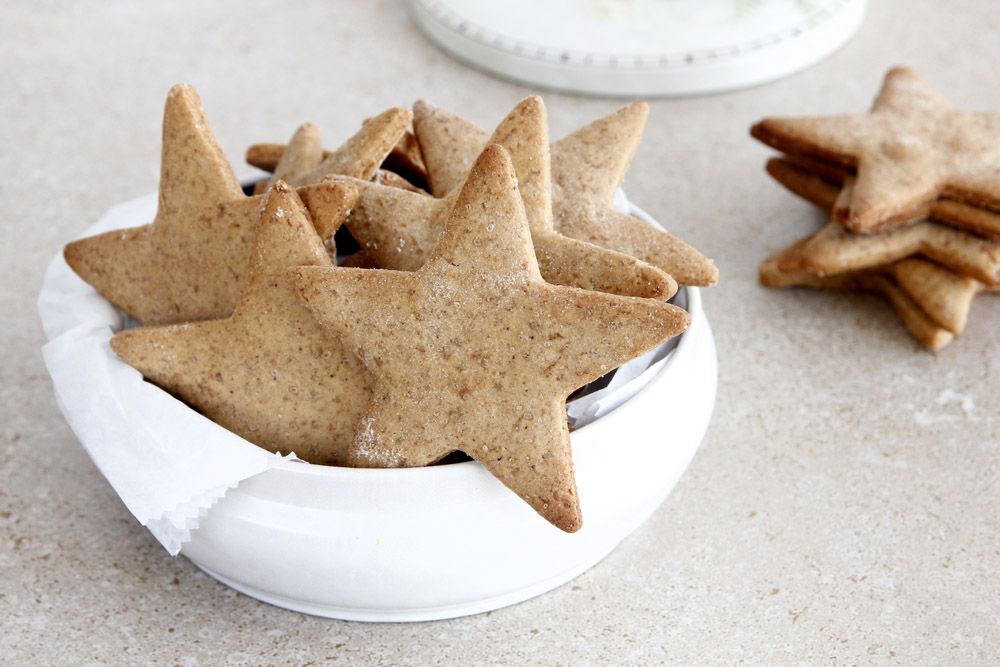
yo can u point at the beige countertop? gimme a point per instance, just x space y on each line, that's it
843 508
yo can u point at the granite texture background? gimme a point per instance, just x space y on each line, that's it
843 508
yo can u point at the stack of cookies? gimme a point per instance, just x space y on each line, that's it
912 190
493 279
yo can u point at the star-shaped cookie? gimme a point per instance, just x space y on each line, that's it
398 230
475 352
268 372
304 162
587 168
785 269
835 250
403 160
189 263
814 177
912 148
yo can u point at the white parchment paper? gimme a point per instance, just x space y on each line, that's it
168 463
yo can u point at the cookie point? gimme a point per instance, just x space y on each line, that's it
423 106
569 522
900 70
119 343
665 284
179 89
494 154
72 254
399 113
711 274
532 103
640 106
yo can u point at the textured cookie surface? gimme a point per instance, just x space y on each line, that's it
586 169
475 352
398 231
189 264
912 148
304 162
835 250
785 269
268 372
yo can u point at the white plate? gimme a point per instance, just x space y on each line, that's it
640 47
363 544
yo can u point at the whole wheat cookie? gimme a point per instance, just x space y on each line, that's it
398 230
189 263
835 250
912 148
586 167
812 177
304 162
785 269
404 159
475 352
268 372
944 295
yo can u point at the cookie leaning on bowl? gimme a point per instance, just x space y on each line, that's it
475 352
268 372
189 263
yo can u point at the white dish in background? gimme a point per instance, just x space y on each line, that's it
365 544
640 47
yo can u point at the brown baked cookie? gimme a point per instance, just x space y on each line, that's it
835 250
404 159
811 178
266 156
268 372
475 352
304 161
399 230
190 262
303 154
785 269
912 148
586 169
944 295
449 145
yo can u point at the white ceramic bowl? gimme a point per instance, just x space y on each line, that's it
423 543
428 543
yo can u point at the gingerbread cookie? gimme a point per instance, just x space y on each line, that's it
912 148
268 372
475 352
944 295
398 230
586 169
811 177
189 263
304 161
785 269
835 250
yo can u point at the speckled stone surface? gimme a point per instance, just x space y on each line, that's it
843 509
